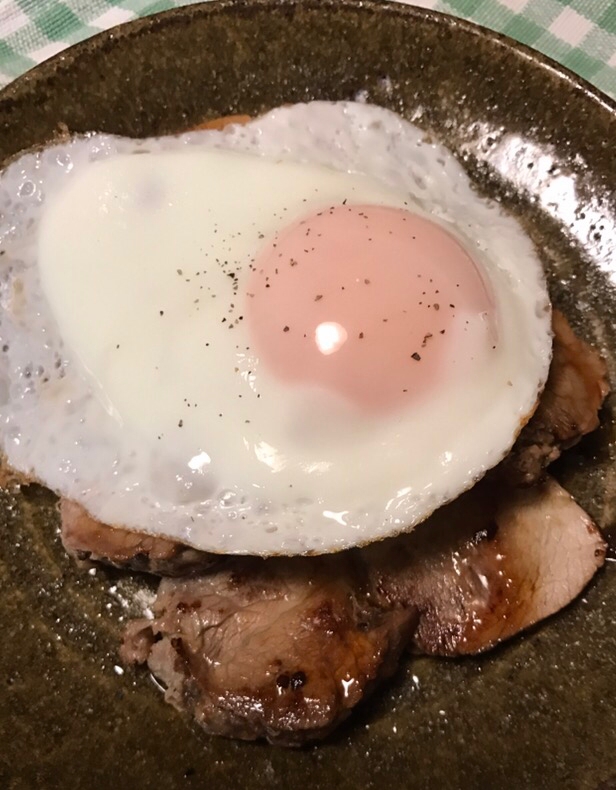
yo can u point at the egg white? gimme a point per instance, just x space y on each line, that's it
109 396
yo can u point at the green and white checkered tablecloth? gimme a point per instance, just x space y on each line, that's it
581 34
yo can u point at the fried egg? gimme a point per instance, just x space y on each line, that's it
291 336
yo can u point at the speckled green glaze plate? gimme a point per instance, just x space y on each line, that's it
537 713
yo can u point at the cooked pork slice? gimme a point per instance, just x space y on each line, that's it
88 540
568 408
492 563
279 648
220 123
284 648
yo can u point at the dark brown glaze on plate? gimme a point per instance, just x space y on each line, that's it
537 713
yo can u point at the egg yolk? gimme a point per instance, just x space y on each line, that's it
365 301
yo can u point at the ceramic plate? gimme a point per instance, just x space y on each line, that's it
538 712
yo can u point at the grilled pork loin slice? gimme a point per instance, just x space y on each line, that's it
284 648
489 565
277 648
568 408
88 540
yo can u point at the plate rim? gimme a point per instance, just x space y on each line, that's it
28 84
47 69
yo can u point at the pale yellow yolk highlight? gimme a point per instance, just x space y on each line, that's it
362 301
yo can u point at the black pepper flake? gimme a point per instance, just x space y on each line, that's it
344 202
318 297
416 357
286 329
161 312
425 340
361 335
453 307
117 345
366 282
180 423
442 332
436 306
180 272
